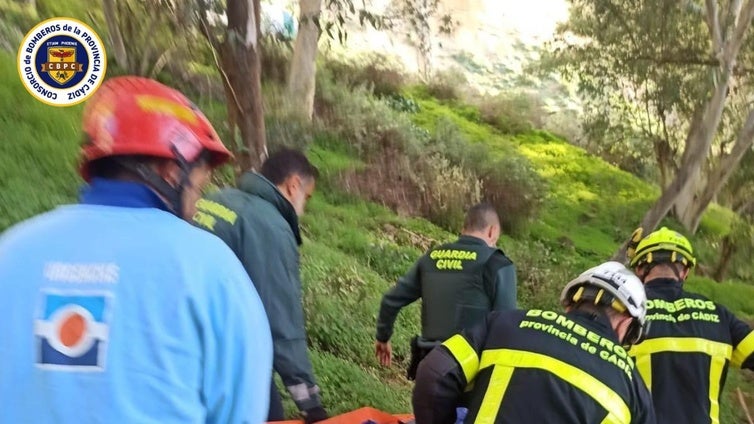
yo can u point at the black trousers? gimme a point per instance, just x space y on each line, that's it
276 404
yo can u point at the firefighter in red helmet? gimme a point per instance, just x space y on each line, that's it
152 133
119 309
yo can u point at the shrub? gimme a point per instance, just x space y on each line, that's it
287 131
512 113
447 84
515 190
379 73
275 59
447 191
435 176
402 103
365 123
507 180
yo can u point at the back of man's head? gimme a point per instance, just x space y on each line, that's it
482 221
663 254
479 217
285 163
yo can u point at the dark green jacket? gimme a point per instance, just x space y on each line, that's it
459 283
261 227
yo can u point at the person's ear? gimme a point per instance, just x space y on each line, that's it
623 325
493 234
685 273
641 272
288 186
293 183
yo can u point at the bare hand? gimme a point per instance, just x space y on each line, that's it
384 352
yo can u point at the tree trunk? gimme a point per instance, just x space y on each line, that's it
719 175
239 57
698 142
703 125
688 200
113 29
302 75
664 156
697 145
726 253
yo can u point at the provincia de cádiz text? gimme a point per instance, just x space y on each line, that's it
62 61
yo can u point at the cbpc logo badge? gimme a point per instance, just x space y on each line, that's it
62 62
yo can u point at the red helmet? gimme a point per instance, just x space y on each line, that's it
139 116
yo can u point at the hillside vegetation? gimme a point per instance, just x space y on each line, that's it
573 212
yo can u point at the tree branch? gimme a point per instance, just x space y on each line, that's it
204 26
713 23
251 26
623 20
212 40
728 163
738 70
734 11
733 46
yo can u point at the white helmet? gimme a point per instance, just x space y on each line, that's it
611 284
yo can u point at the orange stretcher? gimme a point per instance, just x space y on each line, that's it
364 415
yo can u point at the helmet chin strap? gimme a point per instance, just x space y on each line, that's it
634 333
173 195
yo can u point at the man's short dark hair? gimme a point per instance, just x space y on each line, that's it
286 162
480 216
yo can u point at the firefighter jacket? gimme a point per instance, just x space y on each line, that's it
685 357
533 366
459 283
261 227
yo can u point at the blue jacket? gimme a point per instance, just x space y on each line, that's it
117 311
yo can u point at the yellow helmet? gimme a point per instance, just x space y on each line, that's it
664 246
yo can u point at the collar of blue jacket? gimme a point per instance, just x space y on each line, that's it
127 194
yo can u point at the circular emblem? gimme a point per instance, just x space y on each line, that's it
71 330
62 61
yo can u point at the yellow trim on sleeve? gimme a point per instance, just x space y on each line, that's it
466 356
744 349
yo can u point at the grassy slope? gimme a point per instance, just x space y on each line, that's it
354 250
590 209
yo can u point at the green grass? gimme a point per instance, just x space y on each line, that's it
735 296
38 150
352 253
590 208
